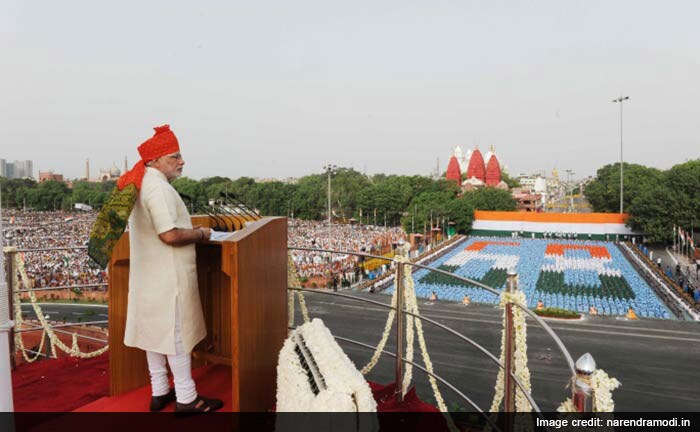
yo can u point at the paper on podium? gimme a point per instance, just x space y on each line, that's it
219 236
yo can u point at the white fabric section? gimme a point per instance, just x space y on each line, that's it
584 228
159 373
501 261
597 264
161 275
180 365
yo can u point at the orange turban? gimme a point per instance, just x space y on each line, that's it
163 142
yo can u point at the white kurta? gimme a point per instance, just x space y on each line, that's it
161 277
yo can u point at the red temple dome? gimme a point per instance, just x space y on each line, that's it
476 166
453 172
493 171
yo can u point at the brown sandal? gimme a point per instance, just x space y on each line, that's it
200 405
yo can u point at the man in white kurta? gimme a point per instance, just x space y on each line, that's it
162 278
164 312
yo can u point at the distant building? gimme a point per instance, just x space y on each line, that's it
16 169
453 171
49 176
477 173
527 201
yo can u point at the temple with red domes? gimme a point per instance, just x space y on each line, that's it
478 173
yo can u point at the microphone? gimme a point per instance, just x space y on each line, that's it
241 206
230 214
202 208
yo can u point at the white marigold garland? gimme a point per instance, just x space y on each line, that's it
522 372
73 350
411 305
345 388
385 336
602 386
293 281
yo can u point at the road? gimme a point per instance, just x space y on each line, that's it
69 312
654 359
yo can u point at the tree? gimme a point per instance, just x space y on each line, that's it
193 189
651 213
309 199
48 195
604 192
391 196
15 191
488 198
510 181
655 200
461 212
427 207
273 198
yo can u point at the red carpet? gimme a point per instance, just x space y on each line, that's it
36 386
83 386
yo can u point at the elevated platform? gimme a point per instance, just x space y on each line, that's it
213 381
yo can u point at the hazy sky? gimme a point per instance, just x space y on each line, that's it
277 89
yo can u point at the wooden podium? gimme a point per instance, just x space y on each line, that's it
243 289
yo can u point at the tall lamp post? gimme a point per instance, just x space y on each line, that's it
620 100
571 190
330 170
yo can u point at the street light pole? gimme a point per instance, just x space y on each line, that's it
620 100
569 173
330 170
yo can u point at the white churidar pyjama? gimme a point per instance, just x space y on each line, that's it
180 365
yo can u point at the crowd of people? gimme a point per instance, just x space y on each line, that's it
68 267
56 229
375 240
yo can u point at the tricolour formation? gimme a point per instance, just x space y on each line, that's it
567 274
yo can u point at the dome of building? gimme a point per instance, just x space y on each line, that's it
463 160
114 171
453 171
476 167
493 171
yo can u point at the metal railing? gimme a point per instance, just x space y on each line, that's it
580 395
12 290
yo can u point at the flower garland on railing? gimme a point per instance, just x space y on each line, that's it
411 305
73 350
602 386
293 281
521 371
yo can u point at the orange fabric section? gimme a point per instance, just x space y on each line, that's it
477 246
558 249
600 218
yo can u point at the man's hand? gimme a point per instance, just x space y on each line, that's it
206 232
182 236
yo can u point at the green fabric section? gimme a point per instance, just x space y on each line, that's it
612 287
495 278
111 223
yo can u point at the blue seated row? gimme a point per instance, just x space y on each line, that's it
529 263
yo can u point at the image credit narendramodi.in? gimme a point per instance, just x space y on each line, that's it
628 423
451 216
